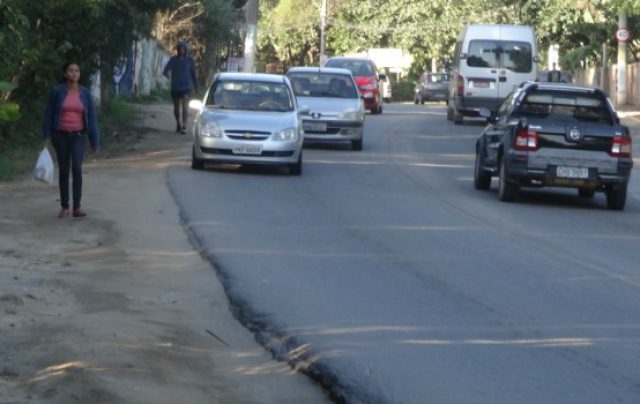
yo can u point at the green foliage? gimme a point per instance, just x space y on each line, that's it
403 91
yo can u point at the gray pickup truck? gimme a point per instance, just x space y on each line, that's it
555 135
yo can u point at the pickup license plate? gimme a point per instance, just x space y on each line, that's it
247 149
315 126
572 172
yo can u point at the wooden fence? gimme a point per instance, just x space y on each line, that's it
609 81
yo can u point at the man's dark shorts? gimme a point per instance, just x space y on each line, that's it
176 95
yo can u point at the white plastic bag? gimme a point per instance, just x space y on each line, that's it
43 170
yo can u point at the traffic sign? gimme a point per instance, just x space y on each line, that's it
623 35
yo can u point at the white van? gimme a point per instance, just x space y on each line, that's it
489 62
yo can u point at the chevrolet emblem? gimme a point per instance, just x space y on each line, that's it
247 135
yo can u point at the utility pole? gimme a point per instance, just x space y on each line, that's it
323 26
251 37
622 36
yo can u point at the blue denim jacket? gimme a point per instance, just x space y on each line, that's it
54 109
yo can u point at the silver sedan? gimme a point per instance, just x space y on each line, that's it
248 118
336 108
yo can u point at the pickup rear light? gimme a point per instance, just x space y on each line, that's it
621 147
460 86
526 140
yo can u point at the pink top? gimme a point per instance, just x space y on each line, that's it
72 114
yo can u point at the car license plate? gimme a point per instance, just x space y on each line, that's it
572 172
315 126
247 149
481 84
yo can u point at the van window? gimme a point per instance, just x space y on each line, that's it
515 56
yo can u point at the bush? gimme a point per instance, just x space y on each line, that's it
403 91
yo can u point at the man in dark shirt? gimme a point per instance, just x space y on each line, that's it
183 80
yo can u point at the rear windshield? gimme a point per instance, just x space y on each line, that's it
251 96
357 67
515 56
328 85
583 107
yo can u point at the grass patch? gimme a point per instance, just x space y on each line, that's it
16 163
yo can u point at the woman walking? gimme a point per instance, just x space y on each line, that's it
69 116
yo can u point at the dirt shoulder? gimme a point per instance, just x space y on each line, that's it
117 307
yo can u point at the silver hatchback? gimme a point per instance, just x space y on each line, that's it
336 108
248 118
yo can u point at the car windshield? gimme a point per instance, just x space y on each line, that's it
582 107
319 84
357 67
515 56
250 96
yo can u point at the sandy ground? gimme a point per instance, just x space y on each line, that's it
118 307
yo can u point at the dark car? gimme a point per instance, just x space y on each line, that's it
555 135
367 78
432 86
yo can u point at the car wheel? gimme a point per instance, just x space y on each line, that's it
481 178
356 145
457 116
196 163
374 110
449 113
296 168
506 190
380 108
586 193
616 197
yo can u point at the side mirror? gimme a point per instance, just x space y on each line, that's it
382 76
196 104
485 113
520 123
304 110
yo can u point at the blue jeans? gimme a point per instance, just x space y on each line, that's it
69 148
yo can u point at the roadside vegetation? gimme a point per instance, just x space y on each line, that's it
38 37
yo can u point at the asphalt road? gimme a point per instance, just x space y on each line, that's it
392 280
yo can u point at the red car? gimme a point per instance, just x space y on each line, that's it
367 78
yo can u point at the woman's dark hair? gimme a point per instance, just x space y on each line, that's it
63 78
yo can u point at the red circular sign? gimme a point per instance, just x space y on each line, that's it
623 35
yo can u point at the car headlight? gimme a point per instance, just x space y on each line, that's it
286 134
350 116
210 130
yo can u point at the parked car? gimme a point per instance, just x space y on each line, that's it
387 88
336 110
555 135
248 118
367 77
432 86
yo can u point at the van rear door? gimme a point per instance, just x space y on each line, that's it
516 66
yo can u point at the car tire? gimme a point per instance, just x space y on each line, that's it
481 178
380 108
356 145
375 111
457 116
586 193
507 191
449 113
196 163
296 168
616 197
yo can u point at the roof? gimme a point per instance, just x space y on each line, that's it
545 85
316 69
263 77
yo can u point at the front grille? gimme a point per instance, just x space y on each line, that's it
247 134
229 152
